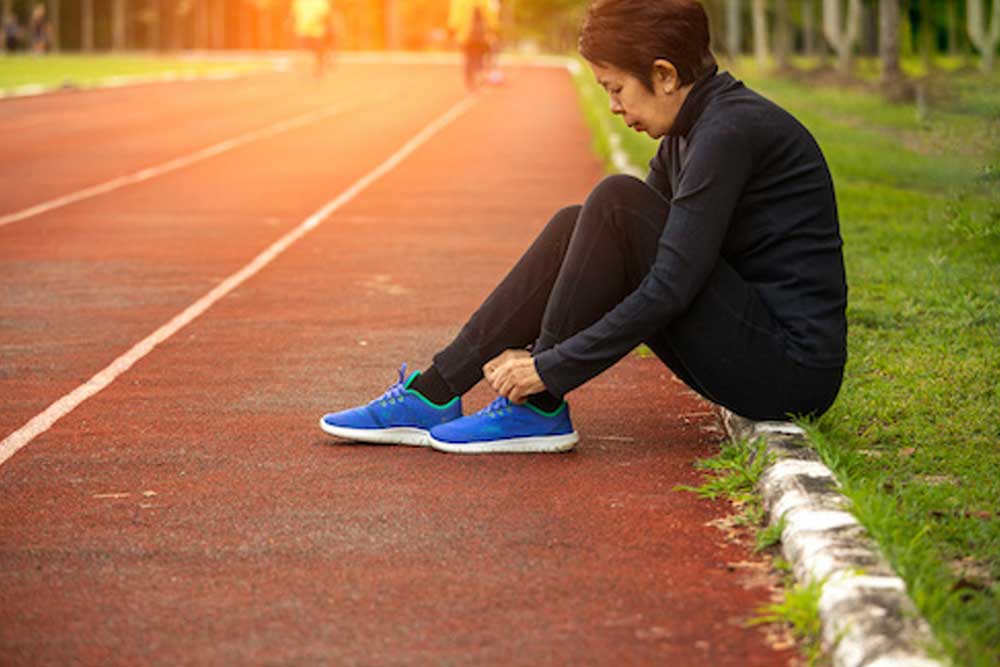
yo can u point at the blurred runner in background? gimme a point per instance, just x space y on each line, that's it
40 29
11 33
474 24
315 28
494 74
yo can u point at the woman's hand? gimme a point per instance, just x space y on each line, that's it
512 374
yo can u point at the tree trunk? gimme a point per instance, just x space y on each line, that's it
952 20
809 27
153 24
390 14
54 20
201 25
119 34
245 22
926 34
842 35
177 23
868 41
219 24
888 42
733 28
264 28
87 25
985 42
760 49
782 33
6 9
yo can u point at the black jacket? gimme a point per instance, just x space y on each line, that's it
747 183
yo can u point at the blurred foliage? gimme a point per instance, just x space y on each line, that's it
927 27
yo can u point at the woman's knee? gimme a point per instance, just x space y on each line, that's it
561 224
619 189
623 205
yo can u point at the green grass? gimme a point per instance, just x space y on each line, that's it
733 474
80 70
915 433
799 610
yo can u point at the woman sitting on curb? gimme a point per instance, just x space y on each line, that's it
726 262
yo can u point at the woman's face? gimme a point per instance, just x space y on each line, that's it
652 112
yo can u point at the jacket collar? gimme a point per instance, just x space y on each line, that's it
701 94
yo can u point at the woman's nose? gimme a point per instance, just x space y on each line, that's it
616 107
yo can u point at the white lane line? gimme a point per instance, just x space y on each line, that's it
175 164
44 420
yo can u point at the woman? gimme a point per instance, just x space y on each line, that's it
726 262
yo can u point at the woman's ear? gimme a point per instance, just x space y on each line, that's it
665 76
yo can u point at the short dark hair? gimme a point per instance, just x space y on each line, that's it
632 34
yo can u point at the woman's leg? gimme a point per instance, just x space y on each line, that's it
726 346
586 260
613 247
511 315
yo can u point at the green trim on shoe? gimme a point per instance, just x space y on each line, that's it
437 406
533 408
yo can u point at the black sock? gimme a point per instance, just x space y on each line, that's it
432 386
544 401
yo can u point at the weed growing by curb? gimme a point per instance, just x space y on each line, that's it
735 471
734 474
770 536
799 609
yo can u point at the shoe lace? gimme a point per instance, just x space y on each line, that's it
499 406
396 390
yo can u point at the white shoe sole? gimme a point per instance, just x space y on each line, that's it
535 445
399 435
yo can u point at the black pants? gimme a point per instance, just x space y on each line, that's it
726 346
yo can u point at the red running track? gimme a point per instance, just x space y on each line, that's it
193 513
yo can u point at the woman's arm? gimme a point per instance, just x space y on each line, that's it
717 167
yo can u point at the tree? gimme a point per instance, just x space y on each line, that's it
54 20
985 42
87 25
892 79
782 33
118 26
151 21
842 35
264 28
760 49
6 9
926 35
219 25
201 25
809 27
733 25
951 18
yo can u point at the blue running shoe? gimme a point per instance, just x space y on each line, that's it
503 426
400 416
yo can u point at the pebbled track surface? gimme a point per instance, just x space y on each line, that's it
192 513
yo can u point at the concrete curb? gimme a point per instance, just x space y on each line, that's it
867 618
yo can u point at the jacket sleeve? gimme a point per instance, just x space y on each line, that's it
716 168
657 177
